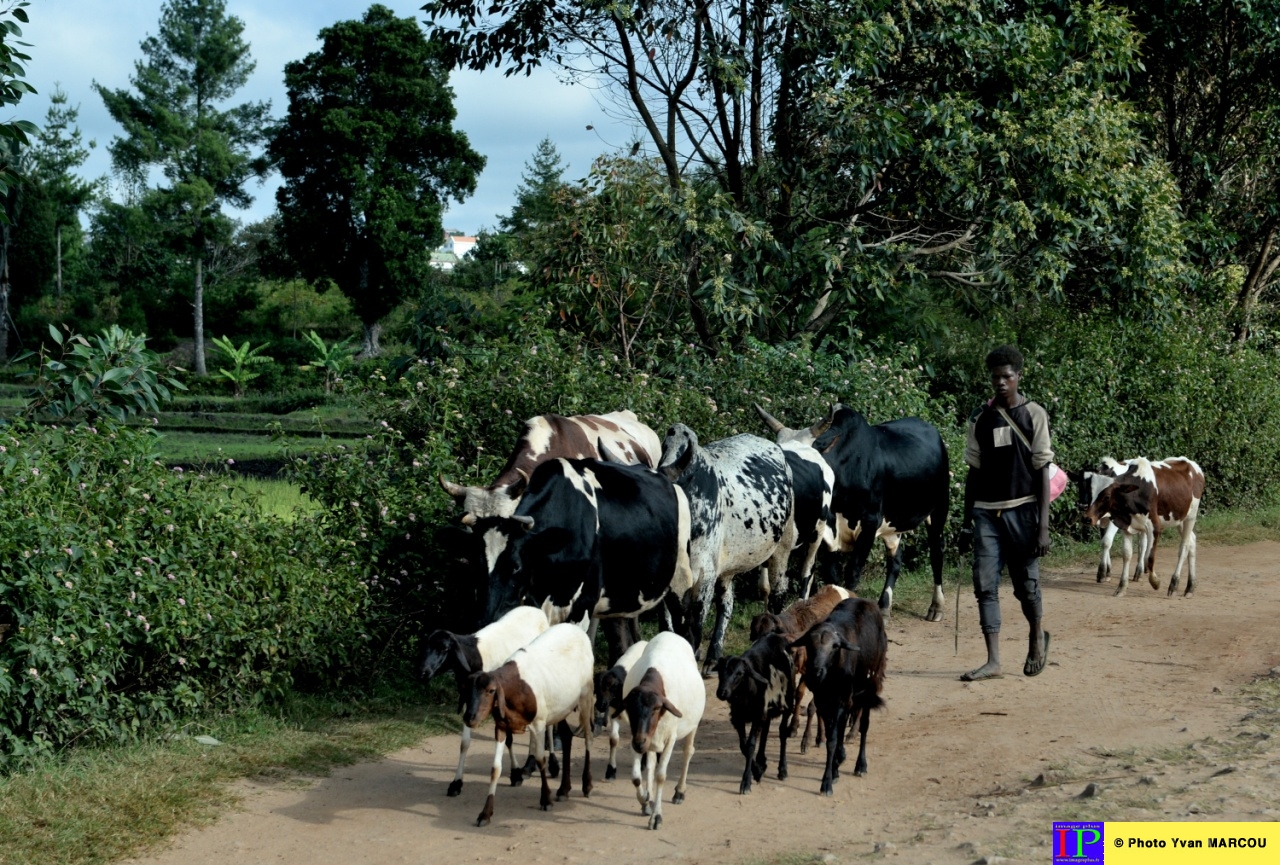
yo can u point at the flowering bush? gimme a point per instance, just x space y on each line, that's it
134 594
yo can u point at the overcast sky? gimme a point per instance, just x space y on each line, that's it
77 42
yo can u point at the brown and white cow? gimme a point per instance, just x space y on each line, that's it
1145 499
551 436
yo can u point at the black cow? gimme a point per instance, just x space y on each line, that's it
759 686
890 478
590 538
846 657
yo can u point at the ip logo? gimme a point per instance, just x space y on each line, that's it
1078 843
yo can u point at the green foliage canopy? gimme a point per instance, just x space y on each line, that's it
369 156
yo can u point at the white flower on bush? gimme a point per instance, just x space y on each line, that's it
35 674
233 555
68 584
182 662
182 602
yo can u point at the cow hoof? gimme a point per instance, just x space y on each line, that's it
677 798
757 772
655 821
610 773
860 769
782 773
744 788
934 615
1153 580
828 790
482 820
1188 592
455 788
644 809
1120 591
545 804
517 778
1103 574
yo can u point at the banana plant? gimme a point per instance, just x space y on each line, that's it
332 359
242 358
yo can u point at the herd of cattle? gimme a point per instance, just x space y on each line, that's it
593 518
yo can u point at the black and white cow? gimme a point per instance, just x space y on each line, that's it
742 516
812 483
590 538
890 479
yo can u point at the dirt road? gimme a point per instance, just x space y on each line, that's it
1142 697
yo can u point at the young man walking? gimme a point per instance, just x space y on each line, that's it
1006 508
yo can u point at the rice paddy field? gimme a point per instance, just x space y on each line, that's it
223 431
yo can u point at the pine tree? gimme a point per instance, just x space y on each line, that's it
536 194
172 120
59 151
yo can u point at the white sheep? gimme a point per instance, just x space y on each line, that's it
541 685
485 650
608 687
664 698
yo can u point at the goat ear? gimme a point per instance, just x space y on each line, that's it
499 704
755 674
666 704
1075 477
847 646
720 662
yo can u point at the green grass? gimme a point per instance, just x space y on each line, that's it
97 806
219 447
277 498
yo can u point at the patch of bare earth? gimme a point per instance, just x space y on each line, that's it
1150 709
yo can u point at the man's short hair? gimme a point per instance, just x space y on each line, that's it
1005 355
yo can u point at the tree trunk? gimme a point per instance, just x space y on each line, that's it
59 282
201 370
369 345
1264 267
4 297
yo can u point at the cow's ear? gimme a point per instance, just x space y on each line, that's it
1075 477
666 704
830 444
515 489
755 674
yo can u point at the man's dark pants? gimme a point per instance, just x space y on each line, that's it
1006 539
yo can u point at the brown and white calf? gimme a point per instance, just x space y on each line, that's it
791 623
551 436
543 684
1144 500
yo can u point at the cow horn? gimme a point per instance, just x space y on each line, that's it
468 519
823 425
607 454
525 521
455 490
775 425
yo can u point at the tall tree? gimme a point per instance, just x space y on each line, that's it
172 120
13 135
1209 88
59 151
369 156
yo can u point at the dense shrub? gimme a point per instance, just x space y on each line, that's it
135 594
1123 391
460 417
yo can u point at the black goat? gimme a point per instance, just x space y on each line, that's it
759 686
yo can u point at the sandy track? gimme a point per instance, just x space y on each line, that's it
949 762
